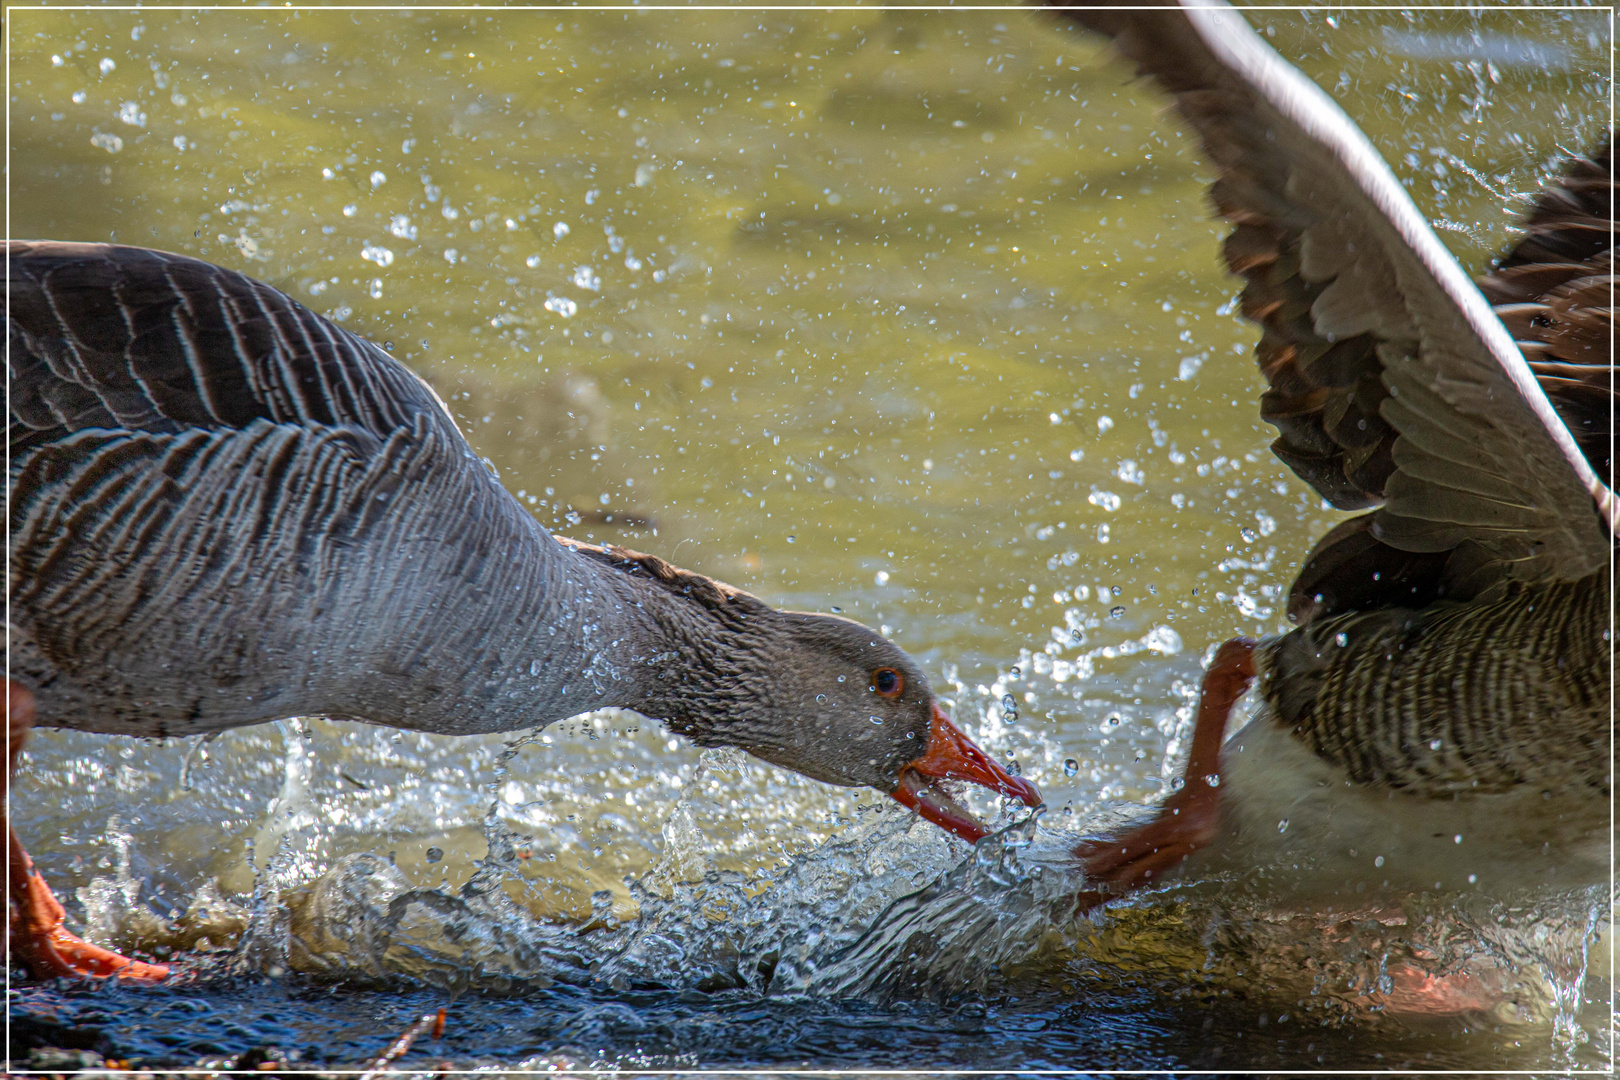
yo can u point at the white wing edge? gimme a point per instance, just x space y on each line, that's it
1236 45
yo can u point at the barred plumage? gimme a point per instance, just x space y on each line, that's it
1457 698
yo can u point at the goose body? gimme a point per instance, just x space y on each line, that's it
1442 715
225 510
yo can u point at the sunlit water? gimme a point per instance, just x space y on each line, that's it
915 316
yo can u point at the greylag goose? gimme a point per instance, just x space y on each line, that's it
227 510
1441 714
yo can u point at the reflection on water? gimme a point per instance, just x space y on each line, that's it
914 315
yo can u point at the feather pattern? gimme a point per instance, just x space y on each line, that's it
1533 709
207 522
151 341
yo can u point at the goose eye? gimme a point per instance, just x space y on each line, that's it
888 682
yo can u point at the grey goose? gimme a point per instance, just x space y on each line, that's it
225 509
1441 715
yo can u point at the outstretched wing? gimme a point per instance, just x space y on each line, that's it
1392 381
105 336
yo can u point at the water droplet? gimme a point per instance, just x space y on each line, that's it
1378 861
1457 839
1435 744
1212 779
434 854
821 699
1163 639
1472 878
792 539
1009 703
1014 768
1017 671
881 577
1282 826
534 667
1177 783
1341 639
107 64
1117 611
1070 766
1248 534
875 719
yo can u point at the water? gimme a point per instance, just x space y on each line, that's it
912 315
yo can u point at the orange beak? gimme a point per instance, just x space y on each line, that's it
951 755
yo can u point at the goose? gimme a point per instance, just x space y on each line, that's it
225 510
1441 714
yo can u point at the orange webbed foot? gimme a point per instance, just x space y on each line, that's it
37 936
48 948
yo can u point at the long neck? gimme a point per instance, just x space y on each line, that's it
524 631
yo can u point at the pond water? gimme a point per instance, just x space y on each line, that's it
912 315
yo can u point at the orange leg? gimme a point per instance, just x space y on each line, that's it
1188 819
37 935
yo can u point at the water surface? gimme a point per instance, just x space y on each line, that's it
912 315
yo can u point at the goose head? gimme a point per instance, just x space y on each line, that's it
821 695
836 701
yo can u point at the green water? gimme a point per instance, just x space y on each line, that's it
914 315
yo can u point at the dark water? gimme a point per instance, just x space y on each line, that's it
1119 1027
916 315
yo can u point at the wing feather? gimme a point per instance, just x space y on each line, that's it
121 337
1393 385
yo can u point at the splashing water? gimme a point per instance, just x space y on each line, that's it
955 933
888 911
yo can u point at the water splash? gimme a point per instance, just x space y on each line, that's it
774 933
283 853
362 922
953 935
